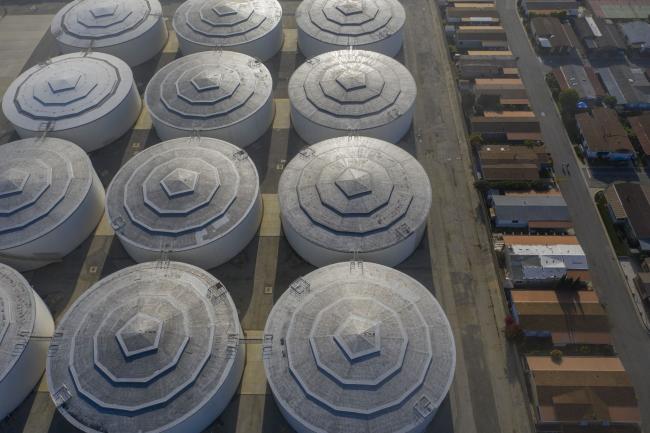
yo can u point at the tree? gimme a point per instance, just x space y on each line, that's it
568 100
610 101
475 139
552 83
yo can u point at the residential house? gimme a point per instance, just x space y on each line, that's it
534 212
582 79
586 391
603 135
599 37
551 35
629 205
548 7
637 36
543 260
564 316
459 11
482 37
630 86
641 128
512 126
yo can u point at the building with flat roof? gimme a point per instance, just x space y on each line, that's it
481 66
566 316
531 211
582 79
630 86
543 260
460 11
505 162
641 127
484 37
509 127
603 135
637 35
629 205
582 390
551 35
598 36
620 9
512 88
547 7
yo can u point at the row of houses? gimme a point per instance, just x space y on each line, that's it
547 275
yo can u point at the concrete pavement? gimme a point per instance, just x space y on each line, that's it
631 339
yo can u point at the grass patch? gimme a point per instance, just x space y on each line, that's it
617 238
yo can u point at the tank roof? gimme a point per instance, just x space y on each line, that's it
350 22
357 347
223 23
352 90
182 193
42 183
208 90
143 349
101 23
17 317
354 194
67 91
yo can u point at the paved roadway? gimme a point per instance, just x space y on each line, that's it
487 394
631 339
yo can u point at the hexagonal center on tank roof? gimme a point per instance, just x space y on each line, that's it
354 182
103 10
63 82
225 9
352 80
12 181
179 182
350 7
207 80
140 334
358 337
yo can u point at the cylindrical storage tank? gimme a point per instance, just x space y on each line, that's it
352 92
133 30
87 98
154 347
26 327
51 200
195 200
358 347
251 27
330 25
218 94
354 197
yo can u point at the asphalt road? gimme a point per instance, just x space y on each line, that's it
630 337
487 393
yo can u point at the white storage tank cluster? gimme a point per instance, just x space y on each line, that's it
352 92
87 98
26 327
50 201
354 197
251 27
196 200
151 348
358 347
219 94
133 30
330 25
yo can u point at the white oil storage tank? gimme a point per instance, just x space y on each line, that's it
219 94
26 327
133 30
195 200
87 98
354 197
330 25
51 200
154 347
352 92
358 347
251 27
